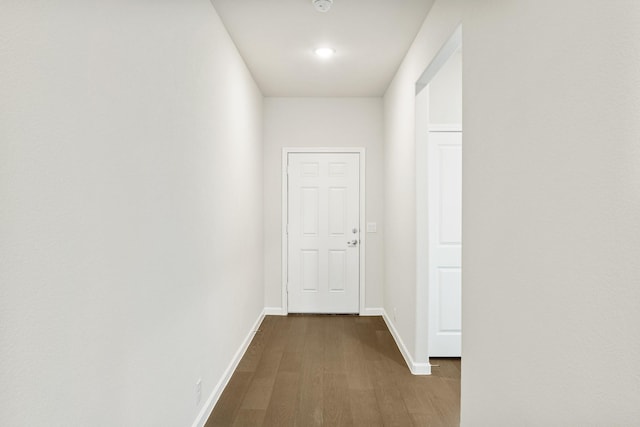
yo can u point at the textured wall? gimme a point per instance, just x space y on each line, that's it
551 168
445 93
400 176
130 210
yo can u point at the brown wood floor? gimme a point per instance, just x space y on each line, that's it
306 370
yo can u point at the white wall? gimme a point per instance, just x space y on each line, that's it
551 239
552 201
445 93
400 174
130 210
322 122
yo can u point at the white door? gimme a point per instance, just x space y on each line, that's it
323 232
445 248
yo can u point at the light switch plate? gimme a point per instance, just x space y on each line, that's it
372 227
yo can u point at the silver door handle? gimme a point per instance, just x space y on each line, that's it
353 243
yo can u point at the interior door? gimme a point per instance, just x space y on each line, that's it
323 232
445 246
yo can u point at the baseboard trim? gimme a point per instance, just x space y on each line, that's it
274 311
415 368
278 311
205 413
372 311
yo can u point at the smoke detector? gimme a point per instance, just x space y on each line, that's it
322 5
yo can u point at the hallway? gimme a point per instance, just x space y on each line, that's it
144 231
310 370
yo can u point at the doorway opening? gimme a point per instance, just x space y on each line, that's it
439 204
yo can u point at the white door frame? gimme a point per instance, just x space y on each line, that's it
422 201
285 204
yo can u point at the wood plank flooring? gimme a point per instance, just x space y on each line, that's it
310 370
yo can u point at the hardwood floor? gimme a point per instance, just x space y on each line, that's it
308 370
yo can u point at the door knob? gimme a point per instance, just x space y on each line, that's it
352 243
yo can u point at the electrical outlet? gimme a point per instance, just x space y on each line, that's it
198 391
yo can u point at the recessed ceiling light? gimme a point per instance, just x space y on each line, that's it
324 52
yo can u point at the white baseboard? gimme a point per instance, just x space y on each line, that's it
369 311
204 414
274 311
372 311
414 367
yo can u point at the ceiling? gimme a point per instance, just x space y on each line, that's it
277 38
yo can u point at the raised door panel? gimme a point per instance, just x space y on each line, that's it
309 270
449 298
337 211
450 230
309 211
337 270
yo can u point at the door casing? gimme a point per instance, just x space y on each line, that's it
285 204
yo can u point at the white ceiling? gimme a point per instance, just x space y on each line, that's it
276 38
